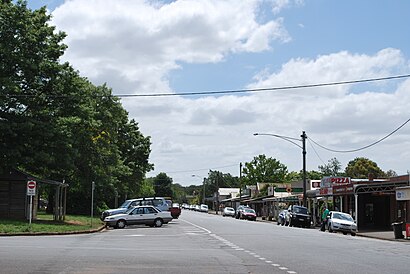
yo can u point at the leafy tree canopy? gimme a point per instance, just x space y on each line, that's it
163 185
361 167
58 125
332 168
263 169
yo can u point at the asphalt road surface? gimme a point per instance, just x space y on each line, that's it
203 243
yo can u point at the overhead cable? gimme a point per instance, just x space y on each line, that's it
365 147
221 92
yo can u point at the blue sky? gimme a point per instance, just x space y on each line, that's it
187 46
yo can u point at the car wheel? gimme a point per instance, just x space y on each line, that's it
344 233
121 224
353 234
330 228
158 222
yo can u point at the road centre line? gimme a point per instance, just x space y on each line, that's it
233 246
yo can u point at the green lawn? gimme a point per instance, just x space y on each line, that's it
45 224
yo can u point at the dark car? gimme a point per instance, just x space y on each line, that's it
239 211
298 216
248 214
282 217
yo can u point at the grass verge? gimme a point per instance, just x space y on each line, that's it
46 224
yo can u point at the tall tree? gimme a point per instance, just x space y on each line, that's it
361 168
264 170
163 185
58 125
332 168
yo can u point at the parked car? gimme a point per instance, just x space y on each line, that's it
203 208
147 215
343 222
239 211
298 216
175 210
282 217
228 211
157 202
248 214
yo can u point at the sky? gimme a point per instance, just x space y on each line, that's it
175 47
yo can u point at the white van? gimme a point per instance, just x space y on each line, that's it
157 202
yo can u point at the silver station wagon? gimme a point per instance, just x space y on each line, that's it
139 215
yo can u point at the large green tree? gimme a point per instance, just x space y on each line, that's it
58 125
264 169
163 185
332 168
361 168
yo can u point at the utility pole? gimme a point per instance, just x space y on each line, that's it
203 199
217 193
304 166
92 202
240 183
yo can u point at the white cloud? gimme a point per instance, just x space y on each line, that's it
141 41
133 46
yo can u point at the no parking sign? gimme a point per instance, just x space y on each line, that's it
31 188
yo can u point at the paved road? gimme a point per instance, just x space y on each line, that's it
203 243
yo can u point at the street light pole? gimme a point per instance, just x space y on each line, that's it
303 147
304 166
203 183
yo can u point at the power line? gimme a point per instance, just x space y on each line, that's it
317 154
365 147
265 89
221 92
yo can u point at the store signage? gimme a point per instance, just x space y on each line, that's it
330 181
343 189
403 193
315 184
326 191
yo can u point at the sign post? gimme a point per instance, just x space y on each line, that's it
31 191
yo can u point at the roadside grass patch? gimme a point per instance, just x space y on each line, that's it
46 224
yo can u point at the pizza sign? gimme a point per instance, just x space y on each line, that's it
330 181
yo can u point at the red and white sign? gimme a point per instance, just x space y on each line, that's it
31 188
330 181
407 230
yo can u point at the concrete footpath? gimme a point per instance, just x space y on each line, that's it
387 235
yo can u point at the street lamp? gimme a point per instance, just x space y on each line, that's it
303 147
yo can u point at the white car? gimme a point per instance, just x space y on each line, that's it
147 215
343 222
203 208
228 211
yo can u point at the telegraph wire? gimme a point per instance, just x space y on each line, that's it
221 92
317 154
365 147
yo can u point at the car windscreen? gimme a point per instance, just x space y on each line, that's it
158 202
129 210
342 216
301 210
125 204
248 210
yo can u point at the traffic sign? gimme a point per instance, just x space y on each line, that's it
31 188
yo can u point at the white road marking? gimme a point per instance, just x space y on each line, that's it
235 247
